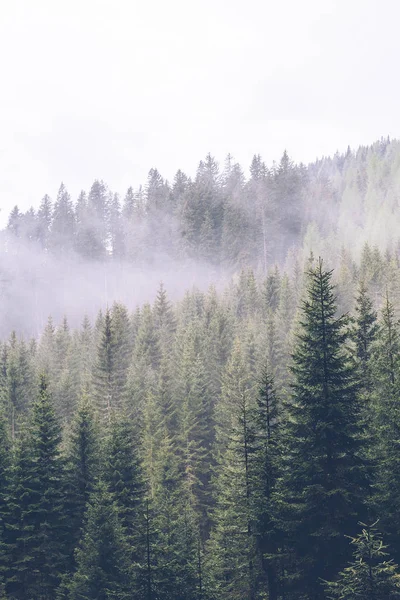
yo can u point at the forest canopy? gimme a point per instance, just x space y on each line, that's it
237 440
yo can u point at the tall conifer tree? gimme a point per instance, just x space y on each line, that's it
325 477
38 548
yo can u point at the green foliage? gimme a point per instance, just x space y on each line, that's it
370 576
387 411
83 469
124 478
187 470
364 333
232 547
103 570
325 478
38 527
266 470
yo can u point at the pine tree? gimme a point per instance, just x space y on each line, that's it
175 538
387 419
5 482
18 382
116 229
271 292
83 469
104 369
15 222
63 225
96 224
122 344
164 319
124 478
195 435
232 554
44 218
364 335
265 473
103 566
38 552
325 478
370 576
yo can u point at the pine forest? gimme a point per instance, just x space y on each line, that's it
233 437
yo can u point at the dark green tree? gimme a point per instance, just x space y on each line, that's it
113 356
83 469
103 565
231 564
364 333
124 478
38 535
371 576
5 482
387 424
265 472
325 477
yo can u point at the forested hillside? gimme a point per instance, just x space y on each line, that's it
221 447
232 441
71 256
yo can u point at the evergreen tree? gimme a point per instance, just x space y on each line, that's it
164 319
5 482
44 218
18 392
38 548
123 475
63 225
325 477
387 381
265 473
103 566
175 538
370 576
15 222
364 335
232 554
102 374
83 469
116 229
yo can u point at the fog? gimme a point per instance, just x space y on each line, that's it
71 258
35 285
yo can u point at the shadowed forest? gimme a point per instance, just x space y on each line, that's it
235 439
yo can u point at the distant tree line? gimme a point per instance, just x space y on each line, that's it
225 219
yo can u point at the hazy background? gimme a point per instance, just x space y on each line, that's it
108 89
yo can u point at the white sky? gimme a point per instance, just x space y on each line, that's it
110 88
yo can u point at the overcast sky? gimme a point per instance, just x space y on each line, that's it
110 88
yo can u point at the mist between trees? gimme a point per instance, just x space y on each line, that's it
218 447
73 258
218 442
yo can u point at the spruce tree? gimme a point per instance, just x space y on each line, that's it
113 356
38 544
364 333
325 477
5 482
124 478
387 419
232 564
83 470
103 570
19 378
175 536
265 473
370 576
